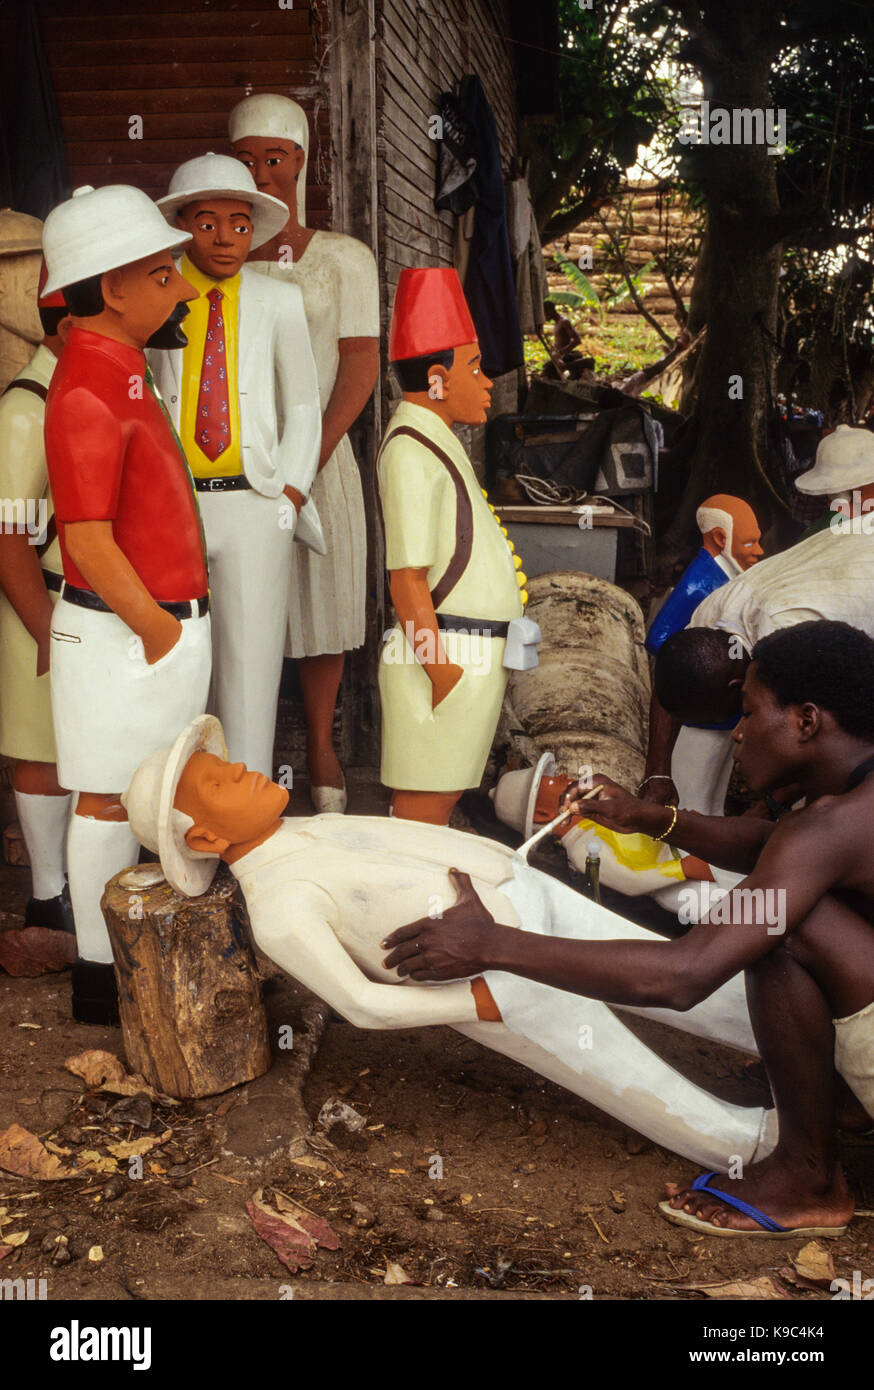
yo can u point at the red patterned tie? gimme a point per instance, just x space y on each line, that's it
213 418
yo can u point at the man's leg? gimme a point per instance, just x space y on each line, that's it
580 1043
701 766
823 971
43 807
250 561
100 843
434 808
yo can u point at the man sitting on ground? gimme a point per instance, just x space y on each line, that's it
802 927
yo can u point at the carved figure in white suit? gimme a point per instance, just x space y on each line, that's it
323 893
244 397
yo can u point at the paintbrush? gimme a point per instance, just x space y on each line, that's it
524 850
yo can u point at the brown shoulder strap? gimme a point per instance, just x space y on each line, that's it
463 517
25 384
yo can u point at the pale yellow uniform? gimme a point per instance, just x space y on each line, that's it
25 701
443 749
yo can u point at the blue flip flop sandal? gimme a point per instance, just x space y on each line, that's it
771 1229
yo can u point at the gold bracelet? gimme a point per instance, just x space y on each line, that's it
668 830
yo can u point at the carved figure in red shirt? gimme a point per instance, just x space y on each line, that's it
130 638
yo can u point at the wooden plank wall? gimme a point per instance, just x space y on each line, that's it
424 50
180 65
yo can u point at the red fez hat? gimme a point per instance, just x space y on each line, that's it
430 314
48 301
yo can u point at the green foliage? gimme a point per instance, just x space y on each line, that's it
610 100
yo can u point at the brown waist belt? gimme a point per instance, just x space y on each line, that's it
477 627
180 608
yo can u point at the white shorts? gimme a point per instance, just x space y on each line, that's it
110 709
854 1054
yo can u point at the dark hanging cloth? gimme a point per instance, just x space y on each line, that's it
456 159
38 168
489 284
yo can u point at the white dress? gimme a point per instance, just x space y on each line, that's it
338 277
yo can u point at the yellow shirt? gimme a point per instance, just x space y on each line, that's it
230 462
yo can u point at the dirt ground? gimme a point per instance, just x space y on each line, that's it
539 1193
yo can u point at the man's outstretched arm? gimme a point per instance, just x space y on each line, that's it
302 942
792 876
729 842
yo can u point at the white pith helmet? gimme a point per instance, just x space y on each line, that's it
153 817
270 115
222 176
844 460
100 229
515 796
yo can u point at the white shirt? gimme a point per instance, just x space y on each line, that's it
324 891
830 575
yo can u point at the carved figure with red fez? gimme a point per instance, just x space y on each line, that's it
30 579
338 277
130 638
693 762
245 399
457 588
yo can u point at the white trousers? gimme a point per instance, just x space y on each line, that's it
701 766
580 1043
110 709
250 558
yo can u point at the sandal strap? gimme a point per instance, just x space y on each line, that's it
702 1184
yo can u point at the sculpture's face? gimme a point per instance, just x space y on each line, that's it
466 388
222 232
19 279
144 294
236 805
745 536
274 165
736 535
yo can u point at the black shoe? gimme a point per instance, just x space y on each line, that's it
95 996
54 913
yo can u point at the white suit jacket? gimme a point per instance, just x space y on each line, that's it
280 413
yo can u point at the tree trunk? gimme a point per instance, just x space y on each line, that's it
189 994
740 267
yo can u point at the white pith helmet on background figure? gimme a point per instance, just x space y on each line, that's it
101 229
844 460
222 176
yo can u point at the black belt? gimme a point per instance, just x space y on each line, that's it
86 598
52 581
481 627
235 484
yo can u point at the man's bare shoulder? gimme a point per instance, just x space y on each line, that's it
839 830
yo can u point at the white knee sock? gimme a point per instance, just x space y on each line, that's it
43 821
96 850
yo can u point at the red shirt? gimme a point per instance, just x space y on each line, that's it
112 456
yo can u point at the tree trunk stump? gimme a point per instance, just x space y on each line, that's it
189 993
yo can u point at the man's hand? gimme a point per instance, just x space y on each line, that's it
444 677
294 497
163 634
43 654
460 943
612 806
659 790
